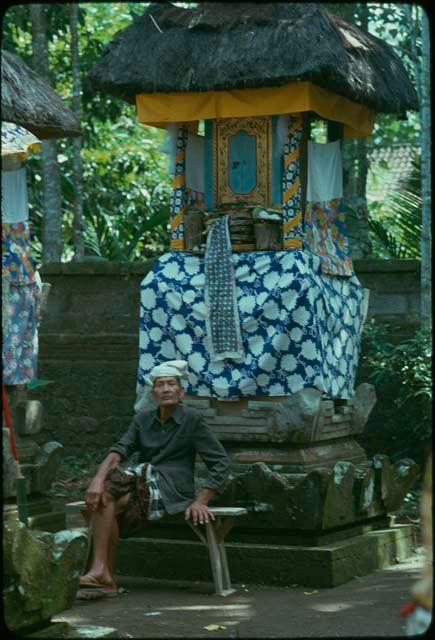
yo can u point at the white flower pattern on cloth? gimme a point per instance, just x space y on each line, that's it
300 328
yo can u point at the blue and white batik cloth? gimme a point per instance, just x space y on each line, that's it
300 328
222 317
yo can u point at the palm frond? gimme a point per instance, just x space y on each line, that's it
399 232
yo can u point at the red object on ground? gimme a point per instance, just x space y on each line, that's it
407 609
9 422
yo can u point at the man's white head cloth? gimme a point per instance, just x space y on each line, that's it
171 368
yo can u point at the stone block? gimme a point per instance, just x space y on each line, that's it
8 466
392 482
46 465
275 565
296 418
363 402
364 491
33 418
41 573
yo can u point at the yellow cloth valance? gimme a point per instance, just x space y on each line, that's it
160 109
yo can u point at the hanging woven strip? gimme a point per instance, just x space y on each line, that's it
222 322
291 186
177 202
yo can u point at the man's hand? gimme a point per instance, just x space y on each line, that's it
94 497
95 494
199 512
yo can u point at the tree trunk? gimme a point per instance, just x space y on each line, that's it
77 142
52 237
425 119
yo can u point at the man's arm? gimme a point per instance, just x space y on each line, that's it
217 462
121 450
95 492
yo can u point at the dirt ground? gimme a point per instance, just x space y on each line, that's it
365 607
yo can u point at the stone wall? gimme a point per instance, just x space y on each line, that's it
89 341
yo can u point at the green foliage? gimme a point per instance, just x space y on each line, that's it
402 375
77 466
125 181
396 222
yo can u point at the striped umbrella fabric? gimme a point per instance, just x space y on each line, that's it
178 203
291 186
17 142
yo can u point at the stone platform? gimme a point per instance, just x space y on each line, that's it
324 566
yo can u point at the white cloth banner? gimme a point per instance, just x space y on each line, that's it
15 206
281 132
195 162
325 171
169 146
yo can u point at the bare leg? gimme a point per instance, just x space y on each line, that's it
114 539
105 536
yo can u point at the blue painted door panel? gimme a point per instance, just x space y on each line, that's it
242 152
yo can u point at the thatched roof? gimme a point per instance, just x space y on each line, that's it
28 100
217 46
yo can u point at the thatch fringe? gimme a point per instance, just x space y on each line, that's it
28 100
217 46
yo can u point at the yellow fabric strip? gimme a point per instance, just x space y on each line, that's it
177 244
291 157
158 109
290 224
180 156
293 243
178 181
296 125
291 192
177 220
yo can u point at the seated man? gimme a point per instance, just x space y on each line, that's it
120 502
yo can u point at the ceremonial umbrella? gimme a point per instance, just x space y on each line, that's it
17 142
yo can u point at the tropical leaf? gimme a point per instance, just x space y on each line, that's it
398 231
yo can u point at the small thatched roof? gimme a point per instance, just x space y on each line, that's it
28 100
217 46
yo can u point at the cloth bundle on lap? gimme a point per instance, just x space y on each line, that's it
223 323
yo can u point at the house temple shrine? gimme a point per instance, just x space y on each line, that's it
258 291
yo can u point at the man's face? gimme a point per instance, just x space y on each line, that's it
167 391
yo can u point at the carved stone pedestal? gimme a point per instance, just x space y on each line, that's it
318 509
292 435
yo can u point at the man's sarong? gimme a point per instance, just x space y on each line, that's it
141 485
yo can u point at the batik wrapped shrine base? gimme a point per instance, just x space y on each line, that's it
300 328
